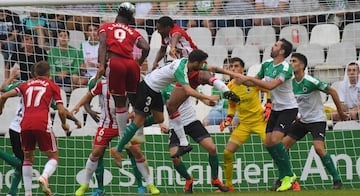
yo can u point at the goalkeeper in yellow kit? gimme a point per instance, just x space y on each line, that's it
252 119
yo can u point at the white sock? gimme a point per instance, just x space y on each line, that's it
176 124
50 168
220 85
91 165
27 176
121 119
143 168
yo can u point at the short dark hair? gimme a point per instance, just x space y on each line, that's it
166 21
287 46
237 59
302 58
197 56
41 68
27 32
63 30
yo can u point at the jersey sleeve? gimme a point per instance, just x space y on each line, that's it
12 86
180 75
261 74
231 104
57 96
97 90
321 86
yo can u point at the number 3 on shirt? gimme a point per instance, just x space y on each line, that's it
119 34
39 90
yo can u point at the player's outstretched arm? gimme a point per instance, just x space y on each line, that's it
13 75
145 48
85 99
62 115
213 99
338 104
5 96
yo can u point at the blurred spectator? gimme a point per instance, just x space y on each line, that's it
268 7
65 64
108 7
27 55
206 7
89 52
142 11
349 93
304 6
56 22
80 22
336 5
240 7
9 27
39 26
219 111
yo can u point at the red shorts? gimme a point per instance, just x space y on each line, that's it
46 140
104 135
123 75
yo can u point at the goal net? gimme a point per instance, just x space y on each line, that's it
326 31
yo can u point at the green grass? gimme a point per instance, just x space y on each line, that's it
271 193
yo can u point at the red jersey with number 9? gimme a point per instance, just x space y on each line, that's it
37 95
120 38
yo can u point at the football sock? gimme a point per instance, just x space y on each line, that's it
228 167
27 176
15 180
49 168
90 167
149 121
214 164
99 173
137 173
181 169
218 84
129 133
176 124
330 166
121 119
144 169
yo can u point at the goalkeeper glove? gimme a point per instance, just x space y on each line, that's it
225 123
267 111
231 96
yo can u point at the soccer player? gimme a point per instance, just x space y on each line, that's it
195 129
251 119
36 96
277 74
149 98
117 40
15 129
312 118
107 130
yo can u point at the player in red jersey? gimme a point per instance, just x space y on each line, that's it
37 95
117 40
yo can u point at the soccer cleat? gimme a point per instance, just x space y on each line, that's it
44 185
217 183
276 184
116 156
189 185
286 184
231 96
337 184
98 192
182 150
82 190
141 190
296 186
231 189
151 188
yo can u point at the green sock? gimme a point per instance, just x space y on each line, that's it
283 159
272 153
181 169
129 133
15 180
149 121
330 166
214 164
137 173
12 160
99 173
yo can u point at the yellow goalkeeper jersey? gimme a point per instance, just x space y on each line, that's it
249 109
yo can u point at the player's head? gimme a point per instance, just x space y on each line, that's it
286 46
42 69
196 59
164 25
237 65
281 48
298 61
126 11
352 70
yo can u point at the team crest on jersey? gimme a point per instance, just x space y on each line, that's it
98 138
274 72
304 89
248 89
